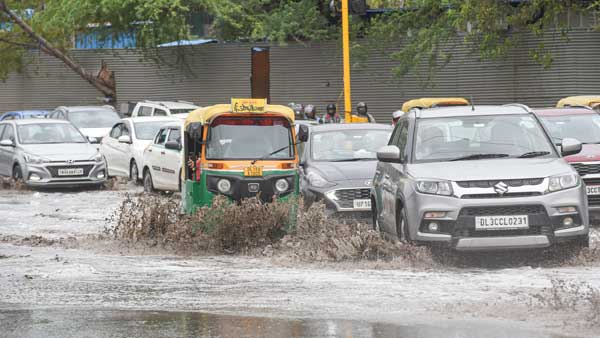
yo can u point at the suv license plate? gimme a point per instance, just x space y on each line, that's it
70 172
362 204
501 222
593 189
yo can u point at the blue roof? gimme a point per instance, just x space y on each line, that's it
188 42
25 114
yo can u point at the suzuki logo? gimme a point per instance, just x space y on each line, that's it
501 188
368 183
70 161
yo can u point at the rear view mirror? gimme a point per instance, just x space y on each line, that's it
173 145
570 146
389 154
93 140
7 143
303 133
124 139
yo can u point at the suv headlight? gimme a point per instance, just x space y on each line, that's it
316 180
443 188
34 159
561 182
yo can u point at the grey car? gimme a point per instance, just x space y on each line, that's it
479 178
338 162
49 153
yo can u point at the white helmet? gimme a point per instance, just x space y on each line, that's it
397 114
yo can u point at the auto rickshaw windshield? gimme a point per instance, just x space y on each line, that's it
248 138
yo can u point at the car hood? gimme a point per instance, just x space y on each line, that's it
95 132
63 151
589 153
341 171
490 169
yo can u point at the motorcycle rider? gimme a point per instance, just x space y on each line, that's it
310 113
332 116
363 111
396 116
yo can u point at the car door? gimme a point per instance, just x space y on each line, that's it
155 158
3 154
7 152
122 153
108 149
172 161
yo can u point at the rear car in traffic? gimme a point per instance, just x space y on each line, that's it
161 160
24 114
337 164
479 178
49 153
95 122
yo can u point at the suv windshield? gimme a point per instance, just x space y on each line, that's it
348 145
98 118
585 128
147 130
45 133
479 137
232 138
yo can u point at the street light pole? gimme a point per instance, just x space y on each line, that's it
346 56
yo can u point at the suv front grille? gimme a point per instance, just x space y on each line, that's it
503 210
492 183
346 197
507 195
586 169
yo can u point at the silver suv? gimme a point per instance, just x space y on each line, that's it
478 178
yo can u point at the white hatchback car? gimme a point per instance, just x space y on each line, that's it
162 159
124 147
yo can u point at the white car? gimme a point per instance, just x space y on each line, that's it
124 147
162 159
179 109
93 121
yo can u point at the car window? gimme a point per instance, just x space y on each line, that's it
94 118
125 130
9 133
159 112
9 117
116 131
402 140
162 136
1 130
50 133
174 136
145 111
348 144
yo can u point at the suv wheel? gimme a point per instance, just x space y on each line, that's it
148 184
134 172
401 225
375 214
17 173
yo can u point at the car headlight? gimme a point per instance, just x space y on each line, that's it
443 188
316 180
34 159
561 182
98 158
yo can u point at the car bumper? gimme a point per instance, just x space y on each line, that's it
341 199
46 175
459 232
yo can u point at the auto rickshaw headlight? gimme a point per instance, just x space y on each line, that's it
224 185
282 185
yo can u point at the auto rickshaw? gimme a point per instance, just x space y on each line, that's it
580 101
433 102
240 150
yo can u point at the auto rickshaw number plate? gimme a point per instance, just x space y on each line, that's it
253 171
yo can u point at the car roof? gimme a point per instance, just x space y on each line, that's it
39 121
474 110
173 104
150 119
565 111
349 126
28 112
86 108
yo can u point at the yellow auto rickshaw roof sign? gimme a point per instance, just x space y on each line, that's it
245 106
582 100
430 102
248 105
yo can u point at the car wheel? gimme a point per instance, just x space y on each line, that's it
17 173
375 214
148 184
134 173
401 225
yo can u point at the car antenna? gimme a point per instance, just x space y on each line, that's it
472 104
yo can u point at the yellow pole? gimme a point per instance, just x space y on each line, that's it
346 53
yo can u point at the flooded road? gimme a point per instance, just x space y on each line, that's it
93 288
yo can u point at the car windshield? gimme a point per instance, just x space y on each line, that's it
585 128
147 130
250 138
46 133
181 111
477 137
348 145
97 118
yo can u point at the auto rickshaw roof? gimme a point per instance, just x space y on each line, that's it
430 102
582 100
206 114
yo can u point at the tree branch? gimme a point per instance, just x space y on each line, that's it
49 49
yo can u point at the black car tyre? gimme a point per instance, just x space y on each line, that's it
148 184
134 172
17 173
401 225
375 214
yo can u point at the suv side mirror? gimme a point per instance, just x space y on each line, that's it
173 145
124 139
389 154
303 133
570 146
7 143
93 140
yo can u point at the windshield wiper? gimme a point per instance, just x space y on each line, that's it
272 153
478 157
534 154
354 159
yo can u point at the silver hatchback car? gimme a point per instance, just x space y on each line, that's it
479 178
49 153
